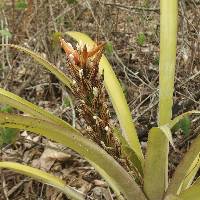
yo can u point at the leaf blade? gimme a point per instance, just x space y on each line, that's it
168 40
180 117
191 175
191 193
129 153
49 66
182 171
196 163
17 102
80 144
172 197
43 177
154 183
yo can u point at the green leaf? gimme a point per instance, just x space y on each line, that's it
168 134
66 102
7 109
172 197
5 33
109 48
183 170
56 39
141 39
193 169
155 165
192 193
177 119
27 107
110 180
45 63
168 40
117 98
88 149
44 177
21 5
191 175
8 135
184 124
197 181
129 153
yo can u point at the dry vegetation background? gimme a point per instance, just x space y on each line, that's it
131 29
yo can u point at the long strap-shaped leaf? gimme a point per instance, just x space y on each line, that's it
117 97
168 34
44 177
154 162
80 144
110 180
196 163
29 108
192 171
172 197
192 193
183 168
179 117
52 68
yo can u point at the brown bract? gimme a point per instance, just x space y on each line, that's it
89 90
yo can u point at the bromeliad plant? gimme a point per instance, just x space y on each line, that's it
116 155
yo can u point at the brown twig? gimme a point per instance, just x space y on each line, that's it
132 7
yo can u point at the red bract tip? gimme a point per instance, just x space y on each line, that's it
96 49
69 50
